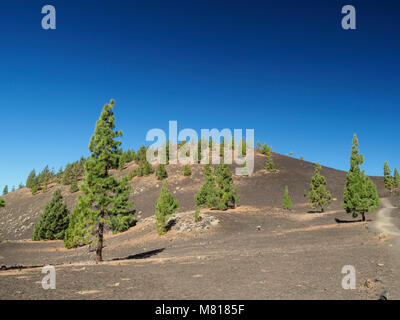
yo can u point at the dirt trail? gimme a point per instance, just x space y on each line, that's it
384 222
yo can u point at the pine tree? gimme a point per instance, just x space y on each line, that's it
269 164
266 150
221 147
208 194
53 221
227 193
259 146
2 203
147 168
30 181
165 206
388 179
5 190
104 196
318 196
396 179
360 195
287 202
245 170
187 171
161 173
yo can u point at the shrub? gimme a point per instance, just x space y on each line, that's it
287 202
186 171
161 173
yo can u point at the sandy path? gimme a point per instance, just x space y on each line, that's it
384 222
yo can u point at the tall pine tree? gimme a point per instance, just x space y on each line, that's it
360 195
104 196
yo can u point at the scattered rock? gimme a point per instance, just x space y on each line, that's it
368 283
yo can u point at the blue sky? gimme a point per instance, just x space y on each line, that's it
285 68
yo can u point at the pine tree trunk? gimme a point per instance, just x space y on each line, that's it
99 257
363 216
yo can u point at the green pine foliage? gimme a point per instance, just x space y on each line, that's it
227 192
74 186
126 157
5 190
318 196
360 195
396 179
104 196
208 194
388 179
221 147
40 181
73 172
161 173
165 206
287 202
197 217
187 171
30 181
53 221
2 203
269 164
245 170
266 149
218 191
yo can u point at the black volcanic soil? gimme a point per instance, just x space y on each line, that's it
256 251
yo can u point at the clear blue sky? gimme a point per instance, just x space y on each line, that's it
285 68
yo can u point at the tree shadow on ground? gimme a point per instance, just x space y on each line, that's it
142 255
348 221
315 211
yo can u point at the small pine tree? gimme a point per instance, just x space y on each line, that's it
187 171
5 190
165 206
287 202
30 181
53 222
259 146
197 216
245 170
208 195
396 179
2 203
161 173
269 164
388 179
360 194
147 169
318 196
227 193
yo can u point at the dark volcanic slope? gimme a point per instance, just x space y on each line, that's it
264 189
